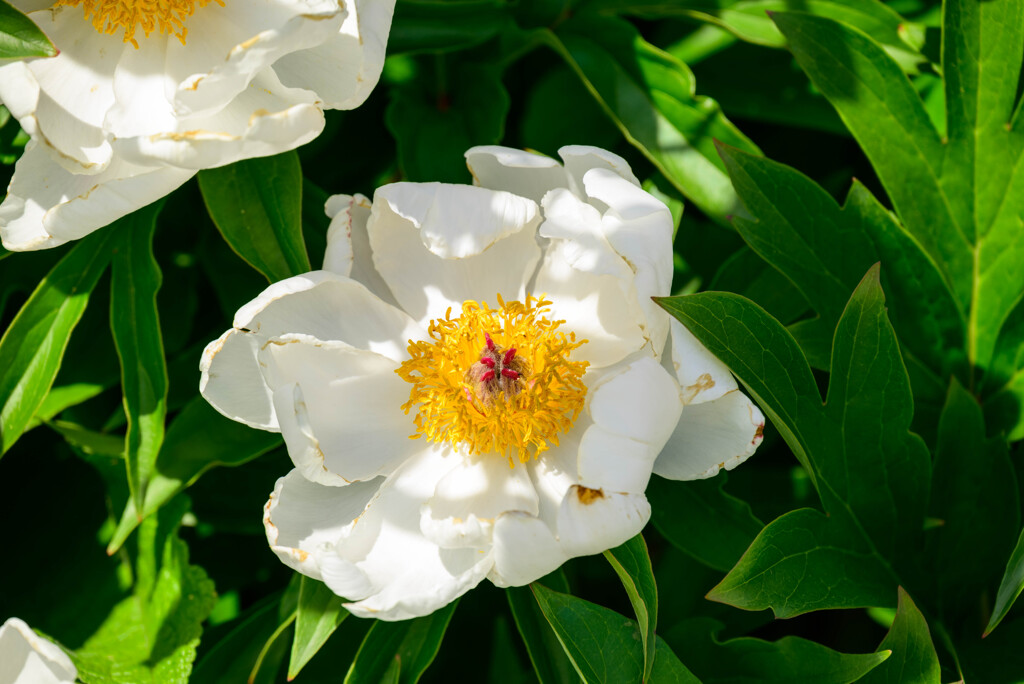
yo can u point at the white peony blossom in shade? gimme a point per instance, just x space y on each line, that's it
27 658
508 328
144 95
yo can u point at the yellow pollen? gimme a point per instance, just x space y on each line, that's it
495 380
163 16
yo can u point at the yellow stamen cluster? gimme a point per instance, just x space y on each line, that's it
520 419
164 16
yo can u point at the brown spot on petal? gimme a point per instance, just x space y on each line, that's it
758 434
587 495
300 554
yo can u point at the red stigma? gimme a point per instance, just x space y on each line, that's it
509 355
508 373
487 361
487 376
490 342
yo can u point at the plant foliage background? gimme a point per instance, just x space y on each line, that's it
848 180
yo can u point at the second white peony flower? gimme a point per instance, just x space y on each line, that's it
145 94
477 384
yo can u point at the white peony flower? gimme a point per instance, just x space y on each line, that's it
508 328
27 658
143 95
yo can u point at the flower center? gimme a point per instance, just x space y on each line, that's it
163 16
495 380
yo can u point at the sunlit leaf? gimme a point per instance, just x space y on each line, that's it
318 614
913 656
633 566
256 205
20 37
33 345
400 651
135 324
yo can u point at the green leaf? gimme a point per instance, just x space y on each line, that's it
197 440
151 636
804 561
651 97
873 490
699 518
974 488
603 645
754 661
961 198
256 205
318 614
1010 586
430 25
668 668
1003 386
135 324
33 346
231 658
824 249
913 654
632 564
20 37
550 663
434 125
400 650
745 273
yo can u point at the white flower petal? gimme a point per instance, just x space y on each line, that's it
487 236
235 41
61 101
516 171
609 460
348 244
640 401
556 470
232 382
579 159
320 304
701 375
471 496
142 91
46 205
27 658
339 408
525 549
404 574
302 516
344 69
638 227
330 307
591 520
266 118
710 436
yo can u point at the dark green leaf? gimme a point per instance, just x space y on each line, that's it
974 489
408 647
232 657
434 126
804 561
135 324
151 636
747 274
668 669
318 614
198 439
824 249
1010 586
961 199
20 37
874 490
699 518
651 97
603 645
33 345
754 661
550 663
430 25
913 654
632 564
257 207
